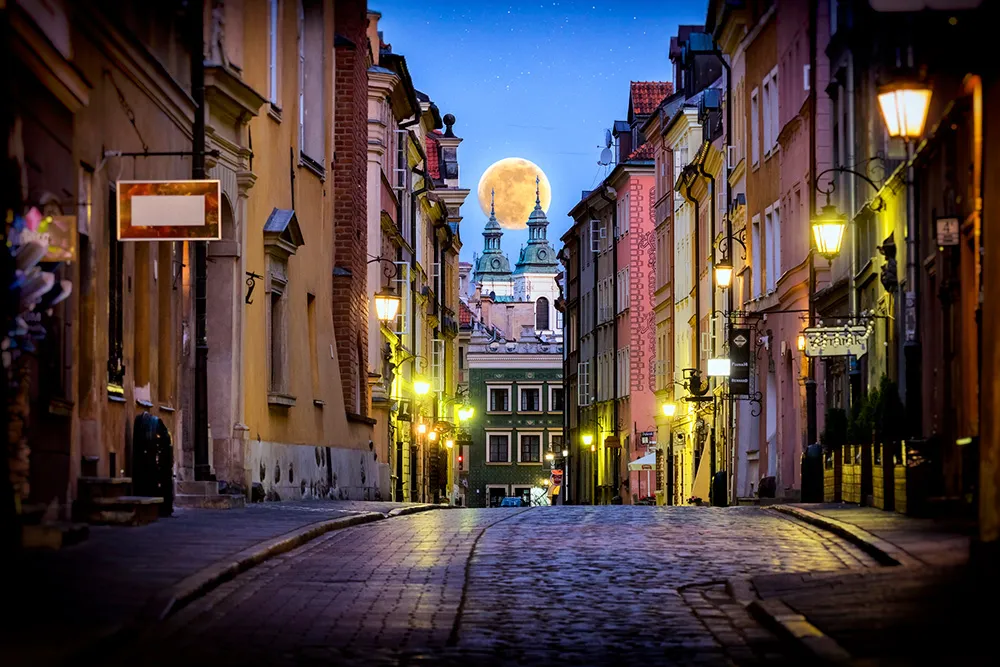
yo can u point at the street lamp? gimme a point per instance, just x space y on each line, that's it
724 272
565 453
800 342
588 440
421 428
466 413
432 435
828 231
550 457
669 409
386 305
449 443
904 104
421 387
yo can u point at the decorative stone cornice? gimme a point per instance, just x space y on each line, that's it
244 181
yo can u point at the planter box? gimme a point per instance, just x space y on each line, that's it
833 472
851 475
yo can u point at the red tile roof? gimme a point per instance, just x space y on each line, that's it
644 152
464 314
431 145
645 96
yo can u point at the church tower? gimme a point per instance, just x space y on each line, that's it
493 267
537 267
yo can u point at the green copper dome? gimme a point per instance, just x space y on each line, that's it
538 256
493 263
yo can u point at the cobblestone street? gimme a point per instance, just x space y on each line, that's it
577 585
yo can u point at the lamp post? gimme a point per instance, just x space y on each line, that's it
904 103
588 441
669 410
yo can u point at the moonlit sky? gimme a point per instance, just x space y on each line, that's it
538 80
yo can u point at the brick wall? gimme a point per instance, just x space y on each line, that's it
350 233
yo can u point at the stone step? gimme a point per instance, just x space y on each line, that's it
213 502
102 487
53 535
123 510
190 488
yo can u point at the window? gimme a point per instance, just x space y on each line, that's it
401 326
583 383
313 349
680 161
766 102
756 268
530 448
276 332
116 301
623 217
556 443
499 399
531 399
273 66
498 448
437 365
833 20
771 107
623 372
754 127
311 88
542 314
555 399
461 358
772 240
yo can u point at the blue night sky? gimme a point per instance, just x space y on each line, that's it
541 81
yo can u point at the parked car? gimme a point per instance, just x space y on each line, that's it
513 501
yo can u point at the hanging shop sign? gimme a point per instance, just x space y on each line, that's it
648 438
841 341
169 211
739 361
947 231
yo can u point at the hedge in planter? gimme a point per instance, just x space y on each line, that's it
834 439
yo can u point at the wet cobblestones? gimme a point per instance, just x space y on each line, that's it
570 585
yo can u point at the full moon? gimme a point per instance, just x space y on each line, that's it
513 178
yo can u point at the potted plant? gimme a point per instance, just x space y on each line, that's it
833 439
856 438
887 423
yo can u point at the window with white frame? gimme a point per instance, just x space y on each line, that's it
623 213
583 383
772 242
530 399
401 283
556 398
756 257
437 364
769 116
624 372
529 447
312 136
556 441
754 127
680 161
499 399
274 51
498 447
542 314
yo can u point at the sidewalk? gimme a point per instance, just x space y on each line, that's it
67 601
934 607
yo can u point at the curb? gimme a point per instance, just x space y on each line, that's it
196 585
785 622
886 553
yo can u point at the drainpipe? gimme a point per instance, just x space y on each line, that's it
711 209
811 400
593 335
852 195
614 323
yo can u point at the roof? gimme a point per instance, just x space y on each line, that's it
644 152
464 314
433 164
645 96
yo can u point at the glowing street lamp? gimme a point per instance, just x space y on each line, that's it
904 104
421 387
421 428
565 453
432 435
449 443
800 342
724 273
550 457
669 409
466 413
587 439
828 231
386 305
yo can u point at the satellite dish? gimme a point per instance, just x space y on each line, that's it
607 138
605 157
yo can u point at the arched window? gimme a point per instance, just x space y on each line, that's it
542 314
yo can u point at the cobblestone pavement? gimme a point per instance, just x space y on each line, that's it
565 585
89 589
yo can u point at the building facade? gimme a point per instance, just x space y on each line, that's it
516 389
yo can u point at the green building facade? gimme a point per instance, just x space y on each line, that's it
516 389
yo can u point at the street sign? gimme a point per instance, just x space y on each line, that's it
947 231
648 438
169 211
739 361
842 341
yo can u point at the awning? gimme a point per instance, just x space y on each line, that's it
647 462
